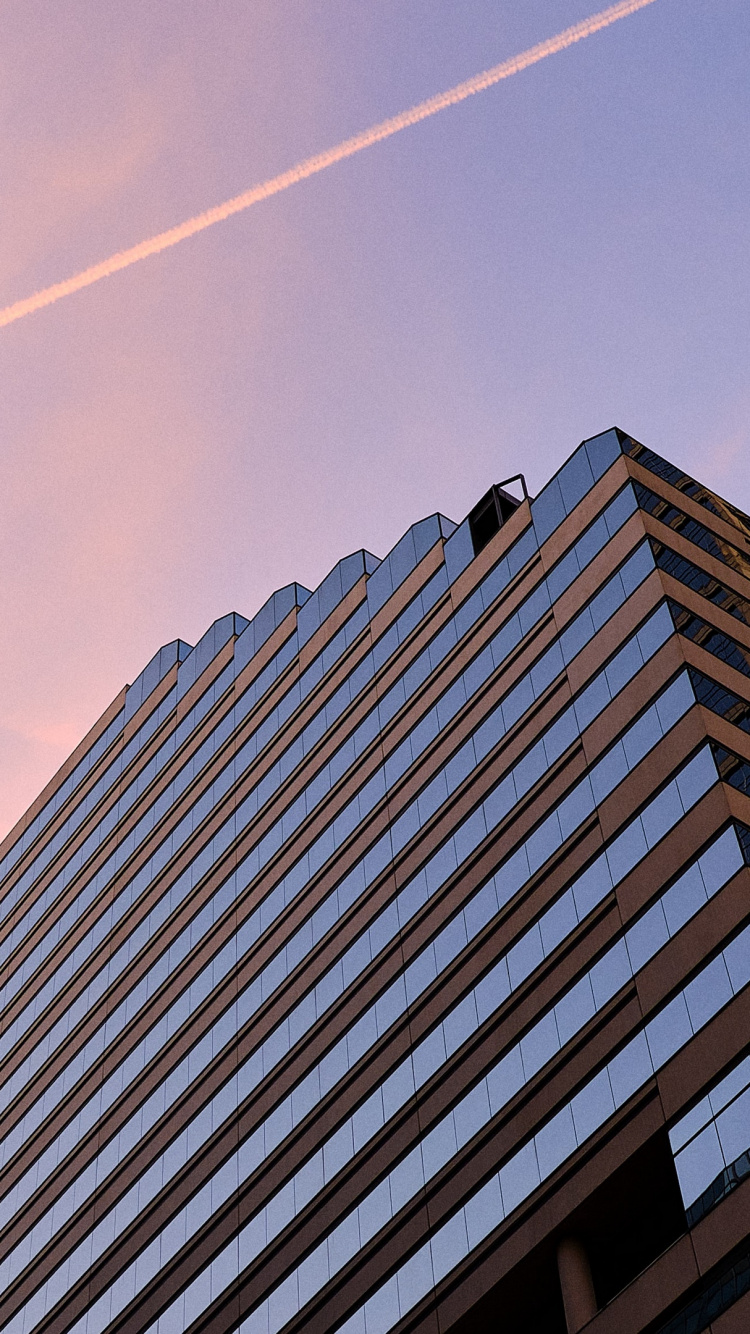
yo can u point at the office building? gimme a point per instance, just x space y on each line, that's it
381 963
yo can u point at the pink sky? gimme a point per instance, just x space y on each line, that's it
567 252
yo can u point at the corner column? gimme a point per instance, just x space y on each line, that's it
579 1298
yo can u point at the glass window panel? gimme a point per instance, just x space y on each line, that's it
540 1044
558 922
592 886
428 1056
450 942
308 1181
460 766
626 851
593 699
592 1105
721 861
257 1322
573 810
609 771
545 840
730 1086
578 633
460 1023
661 814
635 570
374 1212
500 801
505 1079
576 478
517 701
574 1009
690 1124
489 733
483 1212
675 701
441 866
481 909
708 992
390 1005
698 1163
668 1031
555 1142
684 899
519 1177
529 769
421 972
470 834
655 631
493 989
367 1120
525 956
415 1279
591 542
439 1146
737 959
548 510
406 1179
611 973
630 1069
449 1245
398 1088
606 601
382 1310
561 735
733 1126
471 1113
696 778
546 669
647 936
602 450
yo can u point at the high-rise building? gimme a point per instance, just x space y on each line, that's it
382 963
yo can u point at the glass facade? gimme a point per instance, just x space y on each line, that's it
353 930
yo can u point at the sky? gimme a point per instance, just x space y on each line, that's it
562 253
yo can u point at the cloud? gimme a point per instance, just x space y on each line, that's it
311 166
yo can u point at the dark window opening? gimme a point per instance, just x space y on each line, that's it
635 1215
527 1300
489 515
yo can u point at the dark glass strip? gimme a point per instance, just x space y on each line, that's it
688 485
720 1187
743 834
692 576
694 531
708 637
720 700
732 769
719 1292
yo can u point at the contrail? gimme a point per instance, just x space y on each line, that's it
312 165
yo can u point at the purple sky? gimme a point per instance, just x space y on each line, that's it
565 252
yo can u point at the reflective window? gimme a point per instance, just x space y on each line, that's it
700 581
711 1144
